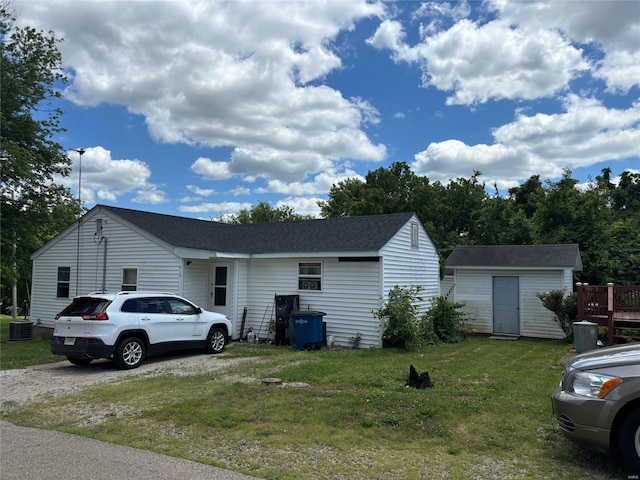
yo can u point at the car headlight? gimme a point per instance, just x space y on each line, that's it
593 384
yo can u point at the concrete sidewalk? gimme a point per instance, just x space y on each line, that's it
48 455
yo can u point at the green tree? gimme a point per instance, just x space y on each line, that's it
33 208
502 222
463 203
385 190
626 197
528 196
263 212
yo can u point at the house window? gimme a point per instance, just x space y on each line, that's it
310 276
64 280
129 279
415 242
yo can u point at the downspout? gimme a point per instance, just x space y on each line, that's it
104 266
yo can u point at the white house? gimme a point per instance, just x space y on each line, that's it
499 285
343 267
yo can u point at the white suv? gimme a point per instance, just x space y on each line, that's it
130 325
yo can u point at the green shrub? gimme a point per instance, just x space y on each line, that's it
447 320
399 318
564 308
402 326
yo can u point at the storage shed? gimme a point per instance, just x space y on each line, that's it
499 285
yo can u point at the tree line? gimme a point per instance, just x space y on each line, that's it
603 217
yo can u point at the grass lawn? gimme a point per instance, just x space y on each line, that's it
19 354
488 416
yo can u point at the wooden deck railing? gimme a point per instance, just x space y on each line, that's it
616 307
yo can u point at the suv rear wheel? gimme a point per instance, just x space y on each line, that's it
129 353
215 340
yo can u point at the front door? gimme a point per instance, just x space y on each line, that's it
506 305
220 292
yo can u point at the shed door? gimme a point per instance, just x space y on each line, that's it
506 305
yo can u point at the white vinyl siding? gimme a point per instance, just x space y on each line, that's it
537 321
407 267
473 287
350 292
195 282
158 269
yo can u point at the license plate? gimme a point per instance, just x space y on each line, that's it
69 340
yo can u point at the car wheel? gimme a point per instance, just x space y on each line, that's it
129 353
629 440
215 340
80 361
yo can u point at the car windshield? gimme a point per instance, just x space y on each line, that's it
84 305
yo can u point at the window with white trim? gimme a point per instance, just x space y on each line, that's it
129 279
64 282
309 276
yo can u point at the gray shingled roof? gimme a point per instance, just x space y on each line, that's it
543 256
347 234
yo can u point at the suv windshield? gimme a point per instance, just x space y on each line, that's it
84 305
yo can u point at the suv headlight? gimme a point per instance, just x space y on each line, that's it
594 385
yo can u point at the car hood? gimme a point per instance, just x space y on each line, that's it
608 357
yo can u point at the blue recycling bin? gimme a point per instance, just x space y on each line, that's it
308 328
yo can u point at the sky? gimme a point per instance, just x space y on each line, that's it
201 109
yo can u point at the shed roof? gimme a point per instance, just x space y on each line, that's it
517 256
345 234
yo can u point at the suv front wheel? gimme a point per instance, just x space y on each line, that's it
129 353
215 340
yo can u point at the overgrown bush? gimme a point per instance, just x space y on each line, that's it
447 320
564 308
403 327
399 318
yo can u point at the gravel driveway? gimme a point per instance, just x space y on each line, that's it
27 384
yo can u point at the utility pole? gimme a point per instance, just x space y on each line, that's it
80 151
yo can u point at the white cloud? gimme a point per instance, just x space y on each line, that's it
238 191
105 178
215 209
302 205
234 74
320 184
389 35
613 25
211 169
150 195
467 60
201 192
620 70
542 144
